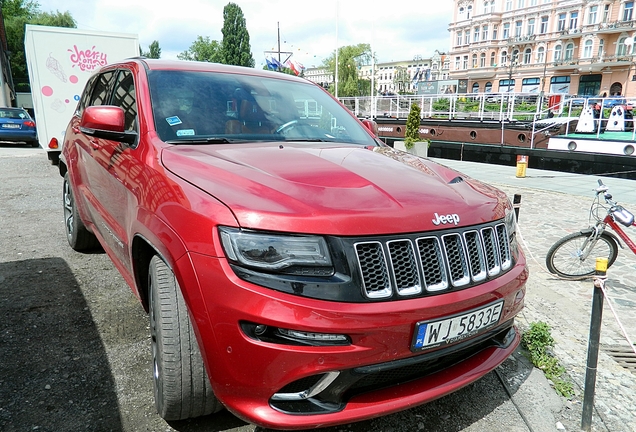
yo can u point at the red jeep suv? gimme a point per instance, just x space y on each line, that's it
296 270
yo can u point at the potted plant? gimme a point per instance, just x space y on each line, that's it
412 141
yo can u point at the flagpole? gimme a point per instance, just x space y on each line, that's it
373 113
336 92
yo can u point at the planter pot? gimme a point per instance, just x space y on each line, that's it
420 148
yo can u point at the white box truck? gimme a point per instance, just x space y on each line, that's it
60 61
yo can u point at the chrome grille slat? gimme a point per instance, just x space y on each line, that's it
414 265
406 278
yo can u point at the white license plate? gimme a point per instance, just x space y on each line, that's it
430 334
11 126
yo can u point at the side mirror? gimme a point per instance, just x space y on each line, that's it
106 122
371 125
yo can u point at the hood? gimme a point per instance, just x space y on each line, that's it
334 189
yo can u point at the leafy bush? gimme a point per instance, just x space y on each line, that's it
412 133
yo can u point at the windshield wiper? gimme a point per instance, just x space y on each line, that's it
209 140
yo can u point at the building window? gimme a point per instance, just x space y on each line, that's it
504 58
508 5
621 48
569 51
540 55
457 62
587 49
466 37
469 12
628 11
465 63
530 26
557 53
601 48
494 31
492 59
527 56
520 4
574 20
488 87
518 27
475 87
461 14
484 33
561 22
591 18
544 25
533 2
476 35
506 31
474 60
492 6
459 38
482 60
606 12
486 6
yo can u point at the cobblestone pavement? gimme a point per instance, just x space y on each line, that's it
546 215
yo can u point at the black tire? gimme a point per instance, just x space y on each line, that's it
181 385
563 257
78 236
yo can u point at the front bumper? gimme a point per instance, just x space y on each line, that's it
275 385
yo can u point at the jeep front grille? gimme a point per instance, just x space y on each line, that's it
419 264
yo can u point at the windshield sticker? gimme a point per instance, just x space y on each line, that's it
173 121
185 132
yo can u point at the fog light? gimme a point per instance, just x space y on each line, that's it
312 337
260 330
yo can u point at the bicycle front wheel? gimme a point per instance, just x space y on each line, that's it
573 256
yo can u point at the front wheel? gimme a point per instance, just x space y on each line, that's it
181 386
574 256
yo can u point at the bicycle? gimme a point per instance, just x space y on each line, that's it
574 256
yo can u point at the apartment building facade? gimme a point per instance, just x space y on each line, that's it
404 76
577 47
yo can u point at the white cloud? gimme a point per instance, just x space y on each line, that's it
398 31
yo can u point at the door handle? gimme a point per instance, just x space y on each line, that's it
94 144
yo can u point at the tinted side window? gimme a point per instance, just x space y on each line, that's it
102 86
88 90
124 97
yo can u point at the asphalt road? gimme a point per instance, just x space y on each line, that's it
75 349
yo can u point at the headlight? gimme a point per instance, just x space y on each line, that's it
274 252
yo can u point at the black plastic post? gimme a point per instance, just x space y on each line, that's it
516 204
593 344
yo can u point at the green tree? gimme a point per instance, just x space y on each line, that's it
18 13
202 49
235 46
154 50
350 59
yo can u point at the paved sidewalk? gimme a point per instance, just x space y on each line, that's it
565 305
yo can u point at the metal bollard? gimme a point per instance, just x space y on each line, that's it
516 205
593 344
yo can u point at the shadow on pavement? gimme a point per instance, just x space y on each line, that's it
54 373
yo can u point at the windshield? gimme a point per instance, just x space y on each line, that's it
217 107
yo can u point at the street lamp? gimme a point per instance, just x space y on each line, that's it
513 64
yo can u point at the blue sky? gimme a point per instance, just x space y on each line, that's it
308 31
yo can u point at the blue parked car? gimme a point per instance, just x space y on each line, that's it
17 126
